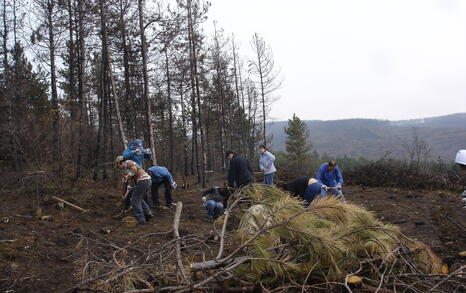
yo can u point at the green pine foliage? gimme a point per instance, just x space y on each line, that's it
325 241
298 144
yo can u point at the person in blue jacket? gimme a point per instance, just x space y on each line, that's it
330 176
160 175
136 152
306 188
266 164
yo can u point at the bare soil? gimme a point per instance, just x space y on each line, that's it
40 256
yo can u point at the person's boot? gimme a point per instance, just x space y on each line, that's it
148 217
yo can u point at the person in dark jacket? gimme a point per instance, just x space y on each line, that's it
305 187
240 172
213 202
160 175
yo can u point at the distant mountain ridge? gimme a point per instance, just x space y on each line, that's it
372 138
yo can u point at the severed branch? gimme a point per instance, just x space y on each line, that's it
176 222
225 221
70 204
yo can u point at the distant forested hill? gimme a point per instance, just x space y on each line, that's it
371 138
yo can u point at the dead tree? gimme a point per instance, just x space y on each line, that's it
266 76
148 112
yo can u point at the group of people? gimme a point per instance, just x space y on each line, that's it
139 182
240 173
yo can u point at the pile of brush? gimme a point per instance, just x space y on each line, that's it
327 240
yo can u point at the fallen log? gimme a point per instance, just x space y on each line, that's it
69 204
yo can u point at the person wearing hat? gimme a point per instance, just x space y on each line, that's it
460 159
142 183
136 152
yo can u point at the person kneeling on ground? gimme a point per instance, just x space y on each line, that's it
306 188
330 176
460 159
160 175
142 184
213 202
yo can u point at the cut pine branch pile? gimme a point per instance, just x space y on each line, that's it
271 241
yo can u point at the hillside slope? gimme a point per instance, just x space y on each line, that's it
373 138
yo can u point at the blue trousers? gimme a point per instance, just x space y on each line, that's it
312 190
214 209
140 206
268 178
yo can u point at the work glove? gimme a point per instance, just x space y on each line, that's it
174 185
148 151
137 151
339 187
324 187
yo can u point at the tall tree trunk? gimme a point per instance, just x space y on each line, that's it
98 157
57 151
193 96
82 101
71 81
170 111
184 126
146 81
222 102
106 58
240 108
128 103
261 77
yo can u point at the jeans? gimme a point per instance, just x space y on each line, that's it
268 178
140 206
214 209
155 193
312 190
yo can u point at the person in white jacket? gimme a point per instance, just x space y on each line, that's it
460 159
266 165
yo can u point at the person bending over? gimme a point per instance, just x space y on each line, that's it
142 183
213 202
160 175
331 178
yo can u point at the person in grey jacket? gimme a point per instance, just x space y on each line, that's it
266 164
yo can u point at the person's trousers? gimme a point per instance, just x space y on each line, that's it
155 193
140 206
268 178
214 209
312 190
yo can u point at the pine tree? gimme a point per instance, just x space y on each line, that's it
298 144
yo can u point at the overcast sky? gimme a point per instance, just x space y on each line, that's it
391 59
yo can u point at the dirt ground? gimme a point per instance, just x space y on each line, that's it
39 256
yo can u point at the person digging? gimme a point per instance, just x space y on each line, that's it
142 183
